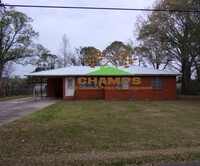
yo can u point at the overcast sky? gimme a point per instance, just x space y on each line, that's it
96 28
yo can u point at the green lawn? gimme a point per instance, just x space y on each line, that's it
104 133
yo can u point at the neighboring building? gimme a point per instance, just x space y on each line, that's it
109 83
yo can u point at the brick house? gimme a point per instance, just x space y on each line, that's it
109 83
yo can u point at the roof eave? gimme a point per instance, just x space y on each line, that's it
103 75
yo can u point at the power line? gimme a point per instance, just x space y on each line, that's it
99 8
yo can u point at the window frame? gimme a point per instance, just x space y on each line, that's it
89 87
125 86
157 83
71 82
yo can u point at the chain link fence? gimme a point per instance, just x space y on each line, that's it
8 88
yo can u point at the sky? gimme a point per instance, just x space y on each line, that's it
98 28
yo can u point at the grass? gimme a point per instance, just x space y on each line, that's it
104 133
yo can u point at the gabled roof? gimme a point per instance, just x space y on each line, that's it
108 70
101 70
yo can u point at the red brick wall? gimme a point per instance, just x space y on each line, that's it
90 94
168 91
82 94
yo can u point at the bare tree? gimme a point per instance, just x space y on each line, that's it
80 56
8 69
137 53
73 59
5 80
59 62
65 50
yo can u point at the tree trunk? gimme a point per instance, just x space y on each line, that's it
198 74
186 76
157 66
197 67
1 69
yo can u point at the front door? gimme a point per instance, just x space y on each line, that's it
69 86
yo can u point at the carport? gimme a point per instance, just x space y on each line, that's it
55 87
47 87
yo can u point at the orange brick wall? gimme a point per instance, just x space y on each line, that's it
168 91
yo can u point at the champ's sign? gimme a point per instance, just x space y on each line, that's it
110 83
96 57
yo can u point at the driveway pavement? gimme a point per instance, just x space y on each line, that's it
14 109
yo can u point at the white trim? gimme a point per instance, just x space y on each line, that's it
69 91
84 70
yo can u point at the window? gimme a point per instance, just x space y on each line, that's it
69 84
123 86
157 83
91 86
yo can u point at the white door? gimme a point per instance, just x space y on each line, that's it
69 86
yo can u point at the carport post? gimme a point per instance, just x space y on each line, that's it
34 90
41 88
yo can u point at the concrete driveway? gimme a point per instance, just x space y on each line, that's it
14 109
